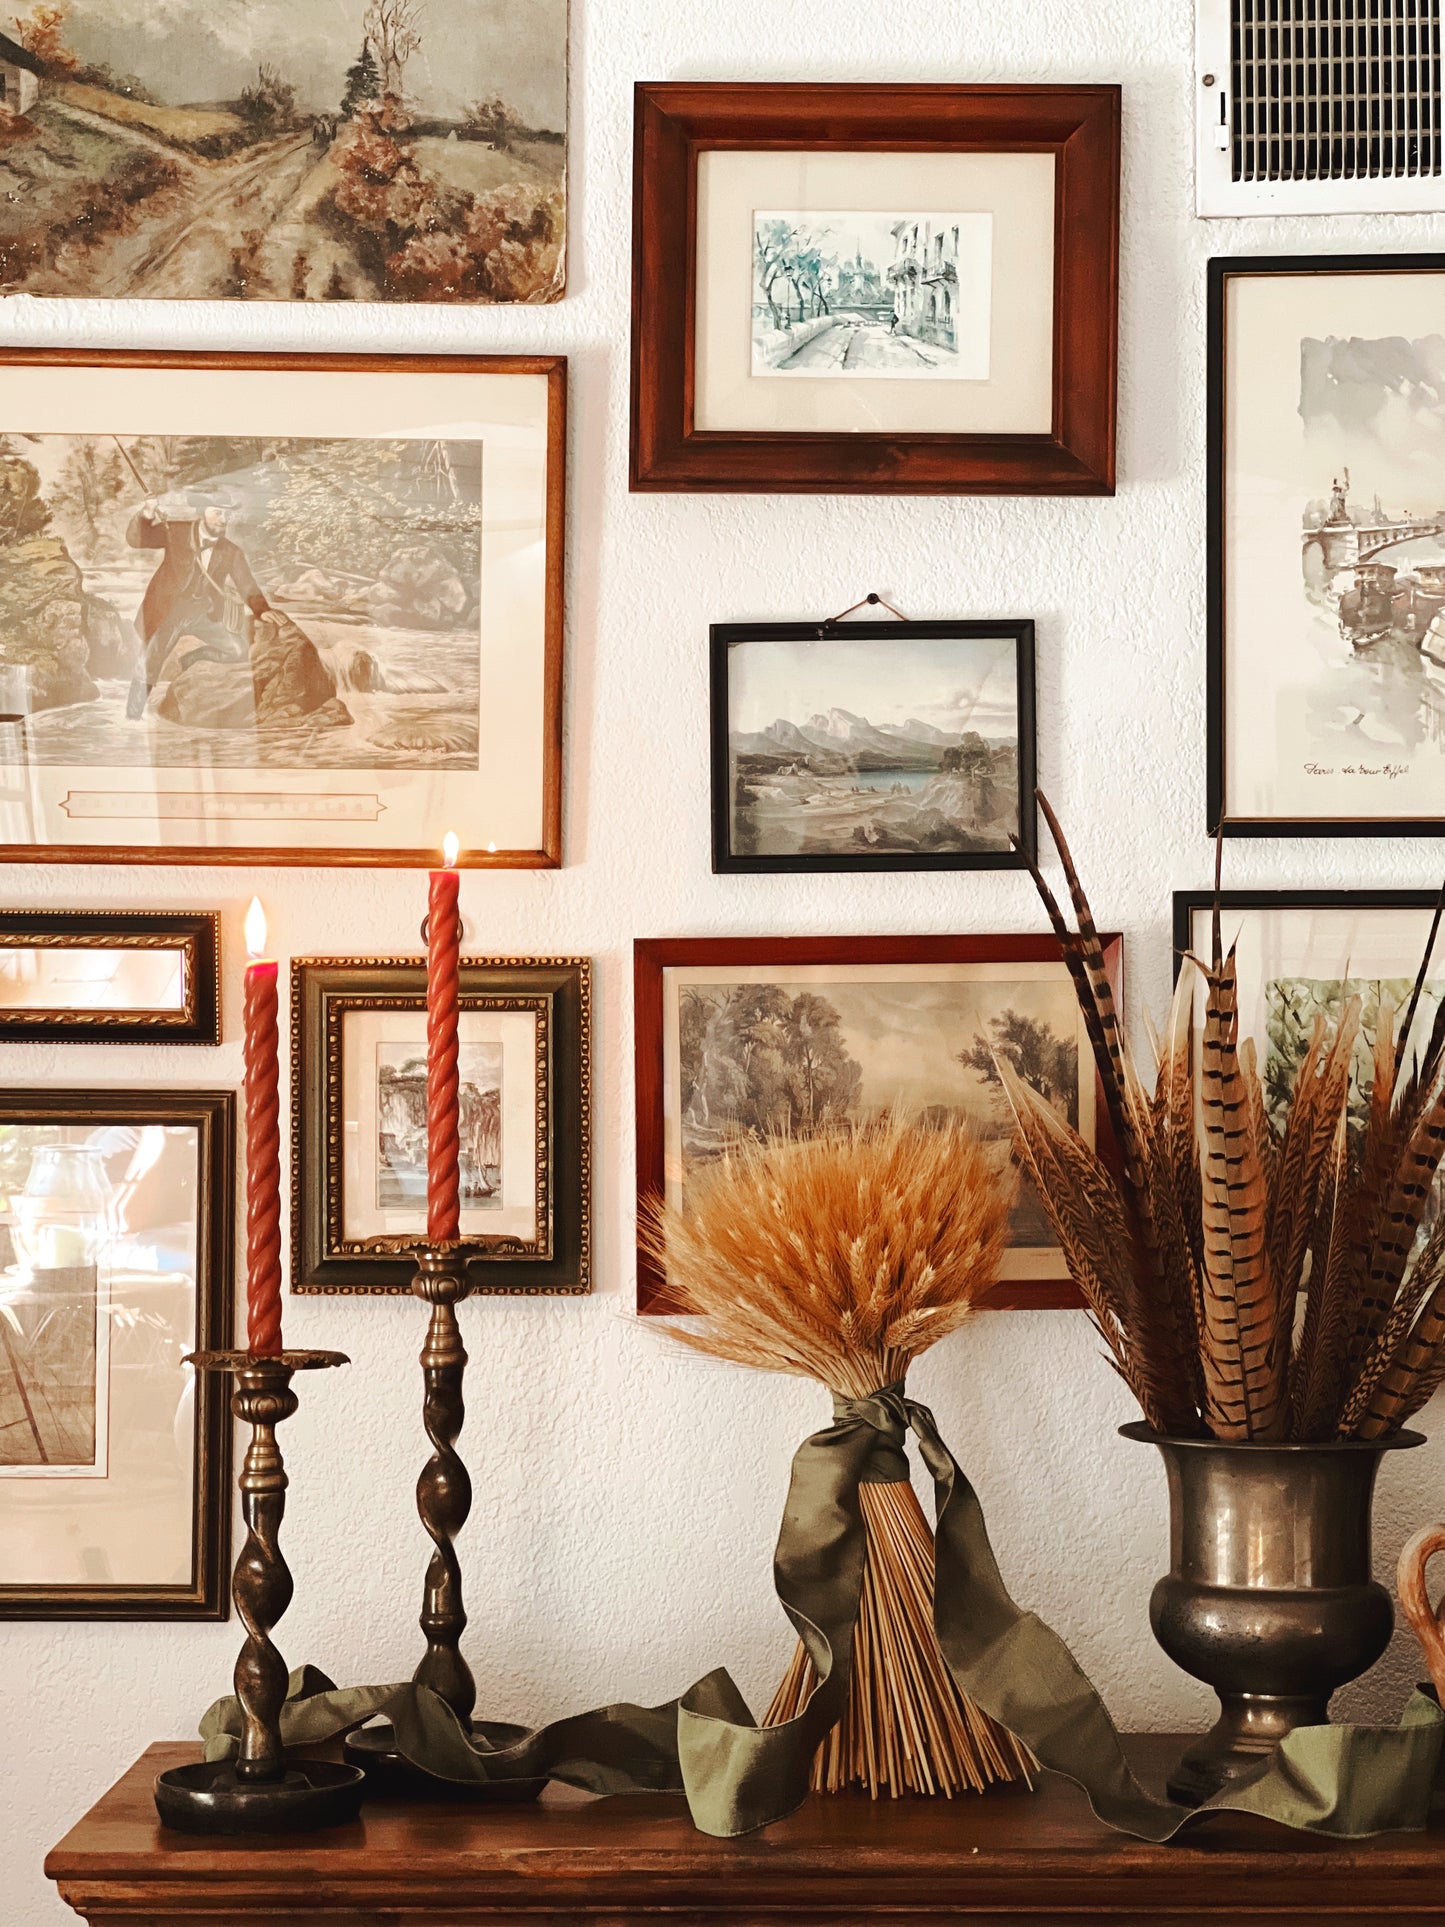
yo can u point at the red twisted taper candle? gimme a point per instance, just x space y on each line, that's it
443 1082
263 1145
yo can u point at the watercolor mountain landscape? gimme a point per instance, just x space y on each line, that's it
374 150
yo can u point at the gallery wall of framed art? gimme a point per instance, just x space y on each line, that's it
518 475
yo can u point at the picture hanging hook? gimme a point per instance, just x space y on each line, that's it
870 601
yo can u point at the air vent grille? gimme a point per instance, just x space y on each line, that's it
1335 90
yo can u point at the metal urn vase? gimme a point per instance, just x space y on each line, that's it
1270 1596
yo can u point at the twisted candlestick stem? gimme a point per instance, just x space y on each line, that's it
262 1586
263 1161
443 1082
444 1489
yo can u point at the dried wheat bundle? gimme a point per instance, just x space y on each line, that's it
841 1258
1252 1282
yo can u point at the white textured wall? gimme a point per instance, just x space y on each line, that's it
627 1498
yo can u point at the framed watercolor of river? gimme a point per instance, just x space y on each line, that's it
265 150
280 608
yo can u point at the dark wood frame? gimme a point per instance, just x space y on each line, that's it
323 990
1186 902
653 956
726 636
548 854
207 1595
1222 269
676 120
196 933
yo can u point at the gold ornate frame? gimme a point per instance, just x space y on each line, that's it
324 990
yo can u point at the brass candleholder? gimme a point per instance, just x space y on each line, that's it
260 1790
443 1500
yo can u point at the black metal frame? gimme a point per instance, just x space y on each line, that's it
1186 902
196 933
206 1595
727 636
322 990
1221 270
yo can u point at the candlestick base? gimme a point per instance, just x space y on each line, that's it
211 1798
374 1750
260 1790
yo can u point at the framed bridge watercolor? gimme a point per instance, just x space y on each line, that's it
1327 545
280 608
872 746
738 1038
367 150
875 289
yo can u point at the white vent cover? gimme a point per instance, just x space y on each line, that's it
1318 106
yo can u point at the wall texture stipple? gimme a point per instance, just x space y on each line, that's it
627 1498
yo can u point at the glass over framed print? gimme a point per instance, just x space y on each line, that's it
1327 545
110 976
358 1120
280 608
1304 954
739 1038
116 1238
875 288
873 745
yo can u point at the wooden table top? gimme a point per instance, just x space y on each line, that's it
1000 1856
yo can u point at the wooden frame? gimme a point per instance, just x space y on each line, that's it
676 121
653 957
725 637
547 852
558 992
206 1595
195 934
1223 269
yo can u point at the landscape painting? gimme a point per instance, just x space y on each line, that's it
283 150
883 296
752 1052
199 602
880 746
401 1145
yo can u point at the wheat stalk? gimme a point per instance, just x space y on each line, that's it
841 1258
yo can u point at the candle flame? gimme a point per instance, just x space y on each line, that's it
492 849
256 929
451 849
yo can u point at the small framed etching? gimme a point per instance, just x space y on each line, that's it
110 976
875 289
873 745
256 601
116 1237
740 1037
358 1119
1326 546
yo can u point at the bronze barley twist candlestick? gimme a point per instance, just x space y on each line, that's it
444 1489
259 1790
443 1501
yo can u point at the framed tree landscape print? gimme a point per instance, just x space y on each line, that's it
1327 545
741 1038
875 289
280 608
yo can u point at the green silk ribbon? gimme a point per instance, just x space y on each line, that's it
1349 1781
